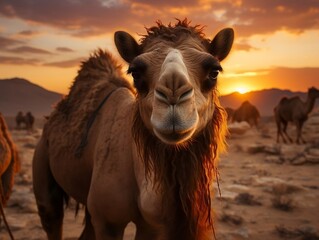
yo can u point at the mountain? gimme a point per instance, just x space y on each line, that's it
17 94
265 100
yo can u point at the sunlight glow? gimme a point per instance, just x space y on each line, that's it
242 90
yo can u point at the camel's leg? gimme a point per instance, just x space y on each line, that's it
144 231
108 231
48 194
285 124
88 232
279 132
299 125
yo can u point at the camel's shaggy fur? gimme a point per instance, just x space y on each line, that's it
129 170
9 161
194 167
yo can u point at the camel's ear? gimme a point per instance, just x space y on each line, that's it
126 45
222 43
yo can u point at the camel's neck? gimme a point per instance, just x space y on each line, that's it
309 104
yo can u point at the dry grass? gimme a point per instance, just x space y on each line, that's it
283 202
282 197
231 218
297 233
247 199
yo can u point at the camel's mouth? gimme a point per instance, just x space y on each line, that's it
173 137
172 127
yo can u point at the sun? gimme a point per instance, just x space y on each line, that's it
242 89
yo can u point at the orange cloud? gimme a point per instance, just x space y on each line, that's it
18 61
64 49
65 64
6 42
27 49
88 18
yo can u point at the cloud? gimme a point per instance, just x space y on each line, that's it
27 49
65 64
170 3
64 49
264 17
74 16
93 17
7 42
27 33
18 61
244 47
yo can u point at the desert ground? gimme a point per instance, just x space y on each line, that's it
267 190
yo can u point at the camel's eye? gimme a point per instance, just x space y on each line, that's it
137 69
213 74
135 73
211 80
211 69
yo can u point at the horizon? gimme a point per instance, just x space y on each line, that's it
235 92
45 42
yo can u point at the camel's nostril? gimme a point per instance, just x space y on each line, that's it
186 95
161 96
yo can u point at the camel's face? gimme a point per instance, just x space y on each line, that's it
175 84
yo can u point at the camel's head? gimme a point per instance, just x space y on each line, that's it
313 93
175 72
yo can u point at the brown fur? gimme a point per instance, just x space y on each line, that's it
97 76
174 33
9 162
186 170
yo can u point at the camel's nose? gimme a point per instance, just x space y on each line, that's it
173 88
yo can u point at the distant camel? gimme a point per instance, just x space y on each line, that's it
296 111
145 154
27 120
246 112
9 161
20 120
230 113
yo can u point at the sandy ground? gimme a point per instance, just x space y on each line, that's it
268 190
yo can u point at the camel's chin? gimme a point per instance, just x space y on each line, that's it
174 138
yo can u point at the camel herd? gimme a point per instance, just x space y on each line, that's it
145 152
24 121
292 110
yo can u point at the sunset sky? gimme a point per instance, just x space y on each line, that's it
276 42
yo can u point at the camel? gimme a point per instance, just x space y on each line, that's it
9 165
230 113
246 112
27 120
19 119
296 111
144 152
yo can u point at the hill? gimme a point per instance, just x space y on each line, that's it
265 100
17 94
